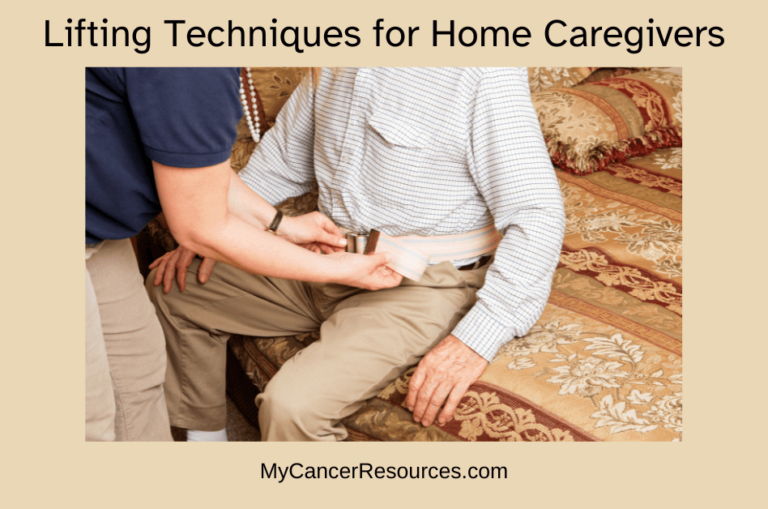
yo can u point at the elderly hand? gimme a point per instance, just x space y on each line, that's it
445 372
176 263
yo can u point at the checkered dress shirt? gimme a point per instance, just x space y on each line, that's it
428 151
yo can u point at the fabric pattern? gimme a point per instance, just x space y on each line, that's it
544 78
275 85
603 73
387 156
591 126
604 361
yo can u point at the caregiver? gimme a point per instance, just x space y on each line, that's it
160 139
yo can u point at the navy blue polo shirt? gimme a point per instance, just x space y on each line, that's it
183 117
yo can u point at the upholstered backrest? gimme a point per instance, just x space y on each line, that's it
274 86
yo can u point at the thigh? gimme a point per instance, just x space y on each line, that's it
99 396
233 301
134 343
132 333
370 339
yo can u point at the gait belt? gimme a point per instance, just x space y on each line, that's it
412 254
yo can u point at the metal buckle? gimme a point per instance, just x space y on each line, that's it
356 242
362 243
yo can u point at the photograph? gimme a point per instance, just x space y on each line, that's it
432 254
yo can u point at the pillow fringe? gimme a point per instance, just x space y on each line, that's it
600 157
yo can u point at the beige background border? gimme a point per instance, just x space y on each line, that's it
44 457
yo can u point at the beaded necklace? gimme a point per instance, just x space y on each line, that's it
253 122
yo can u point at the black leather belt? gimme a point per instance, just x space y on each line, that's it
479 263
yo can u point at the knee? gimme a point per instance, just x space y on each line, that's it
163 308
283 406
164 303
155 292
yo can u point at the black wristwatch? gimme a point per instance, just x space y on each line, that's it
275 222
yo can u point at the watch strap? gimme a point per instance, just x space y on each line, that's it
275 222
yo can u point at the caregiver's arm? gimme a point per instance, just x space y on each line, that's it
313 231
195 203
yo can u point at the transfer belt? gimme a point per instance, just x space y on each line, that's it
412 254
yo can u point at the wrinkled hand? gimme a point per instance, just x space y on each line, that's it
313 231
367 271
176 263
445 372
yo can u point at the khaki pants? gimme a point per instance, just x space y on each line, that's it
367 339
124 350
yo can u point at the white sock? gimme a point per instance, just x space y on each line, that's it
194 435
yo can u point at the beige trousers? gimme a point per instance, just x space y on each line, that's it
124 350
367 339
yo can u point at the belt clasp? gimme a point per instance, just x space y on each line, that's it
362 243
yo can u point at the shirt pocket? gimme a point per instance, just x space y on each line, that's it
402 175
397 133
397 153
408 175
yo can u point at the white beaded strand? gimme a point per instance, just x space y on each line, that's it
253 123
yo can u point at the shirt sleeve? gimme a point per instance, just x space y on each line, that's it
282 165
511 167
186 117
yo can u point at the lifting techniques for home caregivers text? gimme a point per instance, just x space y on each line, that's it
556 33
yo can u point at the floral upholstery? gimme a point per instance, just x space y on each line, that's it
590 126
544 78
273 86
603 73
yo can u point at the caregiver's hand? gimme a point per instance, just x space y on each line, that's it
367 271
362 271
176 263
313 231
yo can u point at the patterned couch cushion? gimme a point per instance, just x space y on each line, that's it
591 126
544 78
604 73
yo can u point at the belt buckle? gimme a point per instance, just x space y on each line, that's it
362 243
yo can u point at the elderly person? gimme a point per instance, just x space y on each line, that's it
439 161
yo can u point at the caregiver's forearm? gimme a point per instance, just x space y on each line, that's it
253 250
244 203
196 204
